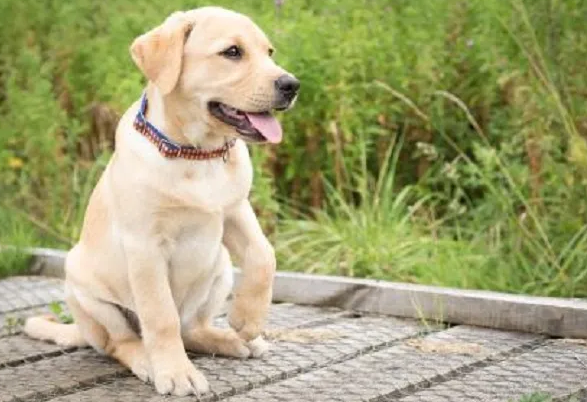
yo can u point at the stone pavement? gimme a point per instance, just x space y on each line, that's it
318 354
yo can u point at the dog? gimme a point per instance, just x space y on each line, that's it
153 267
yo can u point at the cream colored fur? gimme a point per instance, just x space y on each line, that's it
158 233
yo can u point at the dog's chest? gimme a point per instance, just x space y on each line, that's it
193 240
213 187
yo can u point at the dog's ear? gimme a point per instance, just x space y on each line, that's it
159 52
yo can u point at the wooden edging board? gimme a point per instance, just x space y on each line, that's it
545 315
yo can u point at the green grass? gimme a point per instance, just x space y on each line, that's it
535 397
433 142
18 233
394 235
57 310
13 263
541 397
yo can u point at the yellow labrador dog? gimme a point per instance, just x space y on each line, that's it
152 266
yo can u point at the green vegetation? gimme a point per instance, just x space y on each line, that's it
12 324
542 397
57 309
433 142
18 234
536 397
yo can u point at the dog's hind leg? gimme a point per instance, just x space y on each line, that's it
109 331
202 336
84 331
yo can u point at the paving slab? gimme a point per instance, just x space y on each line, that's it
398 369
557 368
20 293
318 354
19 349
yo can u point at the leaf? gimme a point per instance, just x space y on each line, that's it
56 308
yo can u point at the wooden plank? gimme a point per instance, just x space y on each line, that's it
45 261
545 315
48 262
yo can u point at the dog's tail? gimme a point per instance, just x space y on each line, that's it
47 328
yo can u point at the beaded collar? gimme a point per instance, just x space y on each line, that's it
171 149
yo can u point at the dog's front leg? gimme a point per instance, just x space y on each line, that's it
159 320
255 256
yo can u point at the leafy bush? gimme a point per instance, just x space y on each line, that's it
488 99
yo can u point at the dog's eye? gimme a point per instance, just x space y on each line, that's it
233 52
271 52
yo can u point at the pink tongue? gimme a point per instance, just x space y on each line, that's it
267 125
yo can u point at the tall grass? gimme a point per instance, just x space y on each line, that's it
390 233
498 228
372 237
436 142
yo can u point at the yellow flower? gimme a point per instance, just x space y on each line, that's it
15 163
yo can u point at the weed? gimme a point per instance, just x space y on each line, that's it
57 309
541 397
13 324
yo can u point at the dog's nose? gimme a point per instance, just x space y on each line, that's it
288 85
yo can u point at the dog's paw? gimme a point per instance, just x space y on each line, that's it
234 346
181 379
247 328
216 341
247 316
258 346
141 367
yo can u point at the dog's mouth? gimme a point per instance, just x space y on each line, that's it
252 126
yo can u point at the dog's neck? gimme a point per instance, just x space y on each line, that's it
177 119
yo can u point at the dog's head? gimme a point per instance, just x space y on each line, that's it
220 61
